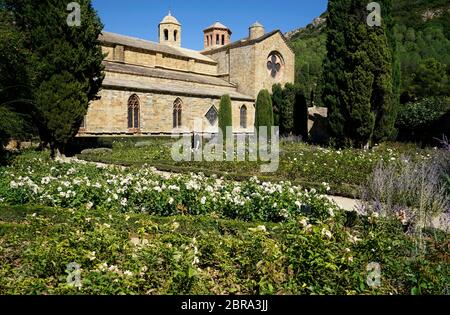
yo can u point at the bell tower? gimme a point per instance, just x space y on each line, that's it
217 35
170 31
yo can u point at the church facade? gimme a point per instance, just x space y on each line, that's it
161 88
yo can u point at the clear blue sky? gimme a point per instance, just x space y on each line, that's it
140 18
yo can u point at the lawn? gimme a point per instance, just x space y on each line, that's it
131 231
305 165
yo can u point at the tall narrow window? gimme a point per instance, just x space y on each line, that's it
133 113
244 116
83 123
223 39
177 111
175 35
207 41
217 39
166 35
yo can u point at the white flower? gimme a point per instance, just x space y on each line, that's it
89 205
347 250
261 228
128 273
203 200
171 201
91 256
304 222
331 212
350 259
124 202
298 204
327 233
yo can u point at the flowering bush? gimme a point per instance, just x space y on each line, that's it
35 179
343 170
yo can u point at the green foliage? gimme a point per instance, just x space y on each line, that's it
305 165
310 52
140 254
65 65
277 102
358 89
301 115
416 30
430 78
225 115
264 112
14 94
287 109
420 120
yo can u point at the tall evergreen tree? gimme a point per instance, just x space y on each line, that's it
264 112
66 64
334 66
287 109
225 115
386 95
358 89
300 114
277 102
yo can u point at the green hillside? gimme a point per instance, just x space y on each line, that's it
422 32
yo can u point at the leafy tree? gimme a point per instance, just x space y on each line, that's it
65 62
14 91
225 115
430 79
264 112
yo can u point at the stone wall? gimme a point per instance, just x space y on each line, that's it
109 114
263 80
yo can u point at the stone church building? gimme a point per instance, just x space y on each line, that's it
161 88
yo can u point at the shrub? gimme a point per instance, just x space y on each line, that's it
418 121
412 191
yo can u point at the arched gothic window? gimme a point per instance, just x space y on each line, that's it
243 116
177 111
133 113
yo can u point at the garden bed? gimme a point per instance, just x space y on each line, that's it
170 236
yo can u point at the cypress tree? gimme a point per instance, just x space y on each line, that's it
277 100
358 89
386 97
264 112
225 115
333 68
66 65
287 109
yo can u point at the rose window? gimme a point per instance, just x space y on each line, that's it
275 65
